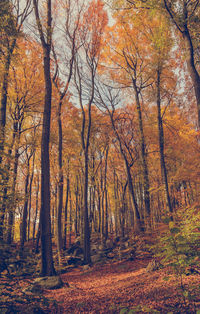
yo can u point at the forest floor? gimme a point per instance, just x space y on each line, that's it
124 287
111 287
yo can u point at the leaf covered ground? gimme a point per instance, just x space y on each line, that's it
125 287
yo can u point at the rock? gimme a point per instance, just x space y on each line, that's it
86 267
153 266
34 288
52 282
126 244
74 261
101 247
78 251
127 253
109 244
96 258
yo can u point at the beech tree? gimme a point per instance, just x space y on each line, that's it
109 100
185 16
131 60
45 219
71 29
91 39
13 16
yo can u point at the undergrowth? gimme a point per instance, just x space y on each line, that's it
179 249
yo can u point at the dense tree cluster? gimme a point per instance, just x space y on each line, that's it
99 120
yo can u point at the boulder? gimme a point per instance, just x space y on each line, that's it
52 282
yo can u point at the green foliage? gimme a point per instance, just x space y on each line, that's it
179 247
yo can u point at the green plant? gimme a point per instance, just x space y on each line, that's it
179 247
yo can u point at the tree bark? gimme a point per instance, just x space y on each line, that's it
192 68
161 145
36 206
143 157
66 212
60 186
4 96
11 211
30 196
47 268
23 235
182 26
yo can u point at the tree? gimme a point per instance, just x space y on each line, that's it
91 39
71 34
24 98
185 16
106 97
45 219
129 57
13 16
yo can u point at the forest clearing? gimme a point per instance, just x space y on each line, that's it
99 156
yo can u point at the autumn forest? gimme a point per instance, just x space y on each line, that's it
99 156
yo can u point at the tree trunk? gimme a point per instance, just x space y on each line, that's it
5 183
47 268
23 236
66 212
185 18
11 211
70 218
77 206
4 96
106 194
137 222
87 258
116 202
30 198
192 68
36 206
60 186
161 145
143 158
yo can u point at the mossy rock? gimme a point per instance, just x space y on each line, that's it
52 282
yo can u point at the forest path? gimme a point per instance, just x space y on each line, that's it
109 288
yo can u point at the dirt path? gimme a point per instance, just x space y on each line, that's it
112 287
